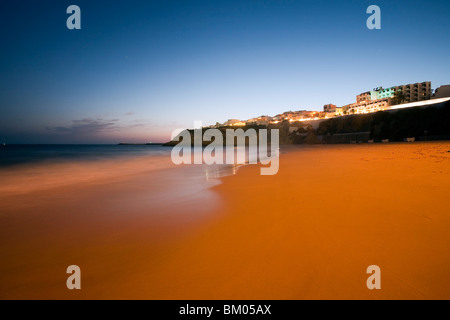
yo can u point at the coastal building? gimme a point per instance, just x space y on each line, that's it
276 119
380 98
234 123
375 106
416 92
367 106
329 108
412 92
381 93
349 108
261 121
289 115
442 92
363 97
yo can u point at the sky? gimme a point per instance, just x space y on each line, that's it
137 70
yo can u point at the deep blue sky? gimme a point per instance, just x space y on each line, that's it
139 69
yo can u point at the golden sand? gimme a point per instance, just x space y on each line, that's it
309 232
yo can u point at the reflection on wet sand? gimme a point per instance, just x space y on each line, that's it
96 214
219 171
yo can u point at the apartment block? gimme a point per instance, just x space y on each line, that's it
381 98
412 92
442 92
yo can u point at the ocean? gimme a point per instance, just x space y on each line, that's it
12 154
147 169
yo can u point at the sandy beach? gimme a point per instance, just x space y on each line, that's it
309 232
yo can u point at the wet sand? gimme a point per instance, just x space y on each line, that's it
309 232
